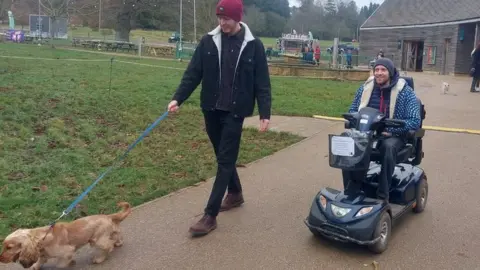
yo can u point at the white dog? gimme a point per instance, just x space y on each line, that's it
445 88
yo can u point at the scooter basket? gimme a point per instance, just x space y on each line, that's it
350 151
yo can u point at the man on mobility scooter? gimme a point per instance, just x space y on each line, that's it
384 125
392 95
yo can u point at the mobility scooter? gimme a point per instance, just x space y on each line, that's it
357 215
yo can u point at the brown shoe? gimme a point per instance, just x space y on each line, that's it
231 201
205 225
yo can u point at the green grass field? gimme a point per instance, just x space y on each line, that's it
61 125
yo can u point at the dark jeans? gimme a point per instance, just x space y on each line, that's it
388 151
225 132
475 83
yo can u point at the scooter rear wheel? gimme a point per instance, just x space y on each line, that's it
421 195
382 230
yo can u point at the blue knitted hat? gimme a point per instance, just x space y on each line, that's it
387 63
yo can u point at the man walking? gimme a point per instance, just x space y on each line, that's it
232 66
475 69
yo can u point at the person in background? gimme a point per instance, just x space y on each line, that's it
475 69
317 55
307 50
349 58
304 55
380 54
269 53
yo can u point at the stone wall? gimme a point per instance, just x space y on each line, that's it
321 73
159 51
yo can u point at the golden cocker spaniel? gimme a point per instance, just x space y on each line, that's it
33 247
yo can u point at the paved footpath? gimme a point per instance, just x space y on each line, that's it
267 232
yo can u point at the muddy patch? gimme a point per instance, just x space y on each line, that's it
6 89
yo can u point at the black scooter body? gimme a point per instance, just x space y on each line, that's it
361 230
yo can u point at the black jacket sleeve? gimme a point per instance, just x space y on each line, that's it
476 59
192 76
263 88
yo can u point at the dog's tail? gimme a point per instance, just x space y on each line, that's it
120 216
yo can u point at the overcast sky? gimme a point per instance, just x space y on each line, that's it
360 3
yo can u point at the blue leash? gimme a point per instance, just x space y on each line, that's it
145 133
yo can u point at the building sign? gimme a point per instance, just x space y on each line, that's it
15 36
294 36
431 55
46 27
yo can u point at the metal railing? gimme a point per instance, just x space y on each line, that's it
326 58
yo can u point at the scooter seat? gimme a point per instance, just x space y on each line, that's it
402 156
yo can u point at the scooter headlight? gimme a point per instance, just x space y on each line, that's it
364 211
323 202
340 211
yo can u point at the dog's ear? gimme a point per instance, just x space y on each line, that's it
29 254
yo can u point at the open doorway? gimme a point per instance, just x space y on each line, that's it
412 55
419 63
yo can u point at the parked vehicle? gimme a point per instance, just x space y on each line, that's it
343 48
174 37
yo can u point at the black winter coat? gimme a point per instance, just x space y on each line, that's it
476 63
252 79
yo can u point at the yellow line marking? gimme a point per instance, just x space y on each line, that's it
456 130
435 128
328 118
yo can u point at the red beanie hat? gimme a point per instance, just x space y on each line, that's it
230 8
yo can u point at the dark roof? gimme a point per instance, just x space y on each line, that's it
415 12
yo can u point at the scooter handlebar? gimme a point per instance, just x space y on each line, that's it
394 123
350 116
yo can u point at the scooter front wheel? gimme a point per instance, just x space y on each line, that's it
382 230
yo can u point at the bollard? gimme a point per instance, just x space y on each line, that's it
140 39
335 53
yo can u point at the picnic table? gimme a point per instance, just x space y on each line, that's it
28 39
112 45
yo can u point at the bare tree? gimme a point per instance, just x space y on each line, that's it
255 19
206 18
56 9
4 7
123 13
